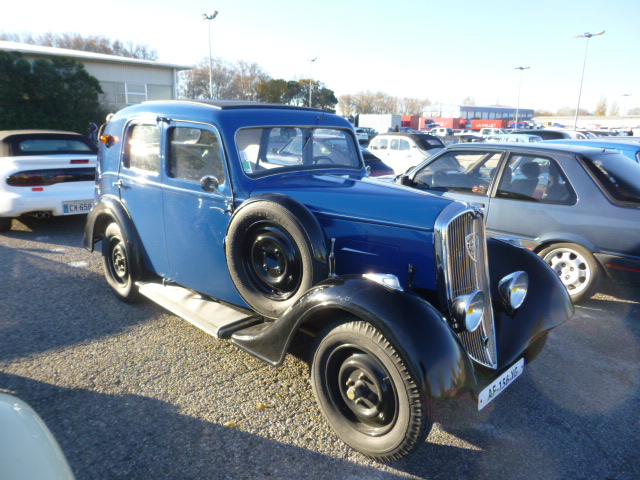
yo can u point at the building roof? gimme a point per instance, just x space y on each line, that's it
39 50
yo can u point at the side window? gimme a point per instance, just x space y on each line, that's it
404 145
535 179
463 172
195 153
142 148
394 144
379 144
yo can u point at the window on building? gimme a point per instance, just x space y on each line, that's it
131 93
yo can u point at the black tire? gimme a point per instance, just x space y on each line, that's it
577 268
367 394
117 264
5 224
270 257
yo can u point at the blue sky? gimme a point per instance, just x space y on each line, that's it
443 51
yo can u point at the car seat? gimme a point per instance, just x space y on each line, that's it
526 186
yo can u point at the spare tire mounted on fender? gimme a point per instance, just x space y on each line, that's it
275 251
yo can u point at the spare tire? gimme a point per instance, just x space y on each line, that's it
275 251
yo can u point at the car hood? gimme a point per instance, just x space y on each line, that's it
359 199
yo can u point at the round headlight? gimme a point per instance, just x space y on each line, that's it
513 289
468 310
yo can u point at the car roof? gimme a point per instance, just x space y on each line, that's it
4 134
550 147
606 142
241 104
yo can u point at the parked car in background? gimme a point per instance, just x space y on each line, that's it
627 148
361 135
45 173
441 131
577 207
517 138
402 151
545 134
371 132
406 298
375 166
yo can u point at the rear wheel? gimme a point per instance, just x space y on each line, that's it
577 268
367 394
116 262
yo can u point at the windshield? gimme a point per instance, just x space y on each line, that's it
618 175
270 149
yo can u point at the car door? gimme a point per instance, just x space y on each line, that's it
196 220
140 183
465 175
533 197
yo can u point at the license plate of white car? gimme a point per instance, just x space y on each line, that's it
74 208
500 384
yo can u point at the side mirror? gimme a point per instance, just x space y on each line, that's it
209 183
405 180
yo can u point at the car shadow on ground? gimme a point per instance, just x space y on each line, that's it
117 437
43 231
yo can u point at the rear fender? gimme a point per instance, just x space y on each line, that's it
419 333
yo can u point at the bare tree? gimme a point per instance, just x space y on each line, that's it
614 110
469 101
92 43
601 107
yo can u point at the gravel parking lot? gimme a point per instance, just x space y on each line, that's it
133 392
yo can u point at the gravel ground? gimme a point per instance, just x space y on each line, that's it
133 392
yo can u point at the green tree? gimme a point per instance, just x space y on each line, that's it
50 94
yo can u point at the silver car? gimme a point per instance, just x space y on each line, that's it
577 207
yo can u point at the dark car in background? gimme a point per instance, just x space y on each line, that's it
577 207
375 166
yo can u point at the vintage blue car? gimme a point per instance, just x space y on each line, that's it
198 209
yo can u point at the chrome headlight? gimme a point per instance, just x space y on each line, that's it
468 310
513 289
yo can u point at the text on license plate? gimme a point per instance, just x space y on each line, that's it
72 208
500 384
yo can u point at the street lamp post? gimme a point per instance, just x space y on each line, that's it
210 17
519 86
624 104
311 60
586 35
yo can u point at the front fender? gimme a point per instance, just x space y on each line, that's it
429 348
546 306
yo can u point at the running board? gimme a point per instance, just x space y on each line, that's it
209 315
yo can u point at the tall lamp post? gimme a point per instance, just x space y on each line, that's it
586 35
210 17
624 104
311 60
519 86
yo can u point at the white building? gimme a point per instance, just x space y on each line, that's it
125 81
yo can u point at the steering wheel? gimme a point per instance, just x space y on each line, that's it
323 161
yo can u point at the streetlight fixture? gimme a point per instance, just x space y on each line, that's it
210 17
519 86
624 104
311 60
586 35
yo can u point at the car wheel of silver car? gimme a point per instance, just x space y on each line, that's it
576 267
367 394
270 257
5 224
116 261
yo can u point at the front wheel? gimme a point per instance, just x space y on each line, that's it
367 394
116 262
577 268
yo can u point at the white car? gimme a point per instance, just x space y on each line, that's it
401 151
361 135
45 173
513 137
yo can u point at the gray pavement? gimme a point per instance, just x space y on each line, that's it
133 392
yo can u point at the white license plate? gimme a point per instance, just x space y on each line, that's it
500 384
74 208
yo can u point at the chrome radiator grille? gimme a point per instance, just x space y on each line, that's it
461 255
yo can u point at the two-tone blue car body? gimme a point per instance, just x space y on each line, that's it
199 208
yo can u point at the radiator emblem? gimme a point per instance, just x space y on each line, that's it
472 246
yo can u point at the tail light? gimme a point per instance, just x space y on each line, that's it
42 178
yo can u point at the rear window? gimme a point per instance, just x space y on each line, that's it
619 176
269 150
48 144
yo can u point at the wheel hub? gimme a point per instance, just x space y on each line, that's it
119 260
571 267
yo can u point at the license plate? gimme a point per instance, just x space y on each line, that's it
74 208
500 384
